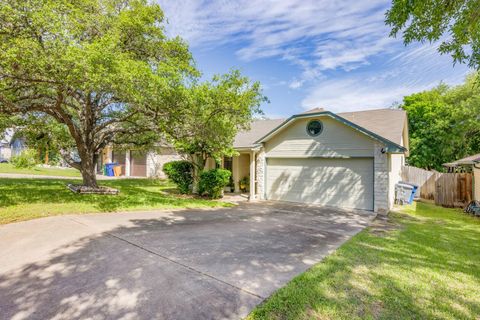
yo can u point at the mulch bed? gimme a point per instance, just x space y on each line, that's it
88 190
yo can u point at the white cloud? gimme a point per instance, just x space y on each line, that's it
350 95
327 34
295 84
347 60
414 71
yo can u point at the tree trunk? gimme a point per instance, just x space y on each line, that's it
199 162
87 168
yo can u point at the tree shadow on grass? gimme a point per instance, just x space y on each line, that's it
141 193
425 270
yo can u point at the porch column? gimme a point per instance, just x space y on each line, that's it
109 155
127 163
235 175
252 176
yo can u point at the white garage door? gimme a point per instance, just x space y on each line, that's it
345 183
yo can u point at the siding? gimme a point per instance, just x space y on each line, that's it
336 140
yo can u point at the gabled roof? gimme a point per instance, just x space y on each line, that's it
390 145
258 128
470 160
387 123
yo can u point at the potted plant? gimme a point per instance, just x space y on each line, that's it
230 186
244 183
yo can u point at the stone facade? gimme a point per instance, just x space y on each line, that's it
380 186
156 160
260 174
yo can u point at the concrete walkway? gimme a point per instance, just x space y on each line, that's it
185 264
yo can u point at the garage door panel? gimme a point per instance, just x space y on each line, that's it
344 183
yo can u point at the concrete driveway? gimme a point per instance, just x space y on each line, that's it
186 264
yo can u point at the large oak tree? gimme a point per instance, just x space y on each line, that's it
102 68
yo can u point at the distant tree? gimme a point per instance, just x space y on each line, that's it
455 22
103 69
215 112
444 124
44 134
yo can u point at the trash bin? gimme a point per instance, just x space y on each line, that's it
117 170
109 168
404 193
414 190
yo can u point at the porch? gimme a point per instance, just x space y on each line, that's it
244 172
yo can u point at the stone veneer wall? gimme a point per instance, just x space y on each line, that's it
380 186
260 173
156 160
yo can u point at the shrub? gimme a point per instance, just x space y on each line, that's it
181 173
26 159
213 181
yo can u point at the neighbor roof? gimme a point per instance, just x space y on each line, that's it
465 161
258 128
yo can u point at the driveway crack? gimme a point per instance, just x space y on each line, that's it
185 266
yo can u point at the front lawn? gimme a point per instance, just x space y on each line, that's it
67 172
423 264
24 199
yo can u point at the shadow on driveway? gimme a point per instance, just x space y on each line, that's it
187 264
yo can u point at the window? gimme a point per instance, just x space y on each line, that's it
314 128
227 163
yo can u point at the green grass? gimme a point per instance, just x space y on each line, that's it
67 172
427 266
24 199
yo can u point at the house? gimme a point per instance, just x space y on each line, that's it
137 163
10 145
348 160
469 164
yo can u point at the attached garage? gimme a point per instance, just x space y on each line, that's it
338 182
321 158
138 164
119 157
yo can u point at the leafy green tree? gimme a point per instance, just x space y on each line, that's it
215 112
103 69
455 22
443 124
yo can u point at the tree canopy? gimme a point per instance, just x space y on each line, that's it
456 23
105 71
216 111
443 123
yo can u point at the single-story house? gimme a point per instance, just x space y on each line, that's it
470 164
348 160
10 145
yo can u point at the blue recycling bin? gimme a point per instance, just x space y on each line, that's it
414 191
109 168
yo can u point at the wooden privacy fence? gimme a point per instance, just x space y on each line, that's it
447 189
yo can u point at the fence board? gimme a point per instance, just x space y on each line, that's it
447 189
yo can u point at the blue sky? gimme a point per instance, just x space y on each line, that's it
309 53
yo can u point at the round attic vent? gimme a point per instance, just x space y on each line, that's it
314 128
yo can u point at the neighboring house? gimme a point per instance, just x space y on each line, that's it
348 160
139 163
10 145
469 164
